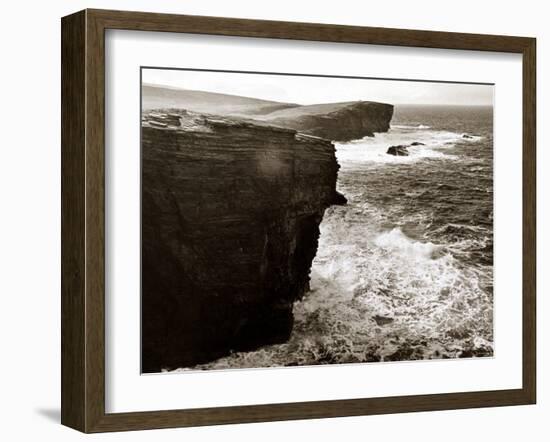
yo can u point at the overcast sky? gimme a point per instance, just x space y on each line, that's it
313 90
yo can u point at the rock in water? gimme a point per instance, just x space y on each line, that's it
230 226
400 151
382 320
339 199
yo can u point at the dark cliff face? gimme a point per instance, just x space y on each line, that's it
230 224
336 121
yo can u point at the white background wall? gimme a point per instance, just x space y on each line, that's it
30 216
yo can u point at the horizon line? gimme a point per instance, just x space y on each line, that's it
168 86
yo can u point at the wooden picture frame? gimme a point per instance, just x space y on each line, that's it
83 220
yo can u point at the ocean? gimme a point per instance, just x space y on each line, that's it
404 271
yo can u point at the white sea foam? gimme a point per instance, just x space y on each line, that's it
409 127
418 285
395 240
374 149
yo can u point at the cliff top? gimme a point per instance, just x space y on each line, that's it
318 109
186 121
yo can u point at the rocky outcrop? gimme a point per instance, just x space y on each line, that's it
339 199
230 225
398 151
335 121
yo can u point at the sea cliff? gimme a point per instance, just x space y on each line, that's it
335 121
230 225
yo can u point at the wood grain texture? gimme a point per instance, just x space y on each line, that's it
144 21
95 221
529 221
73 129
83 218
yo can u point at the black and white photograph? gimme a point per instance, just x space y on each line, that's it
302 220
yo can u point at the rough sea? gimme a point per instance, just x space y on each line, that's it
404 270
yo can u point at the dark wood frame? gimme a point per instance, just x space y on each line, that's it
83 216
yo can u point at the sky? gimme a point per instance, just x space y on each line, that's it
314 90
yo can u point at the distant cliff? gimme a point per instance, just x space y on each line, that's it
335 121
230 226
156 96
